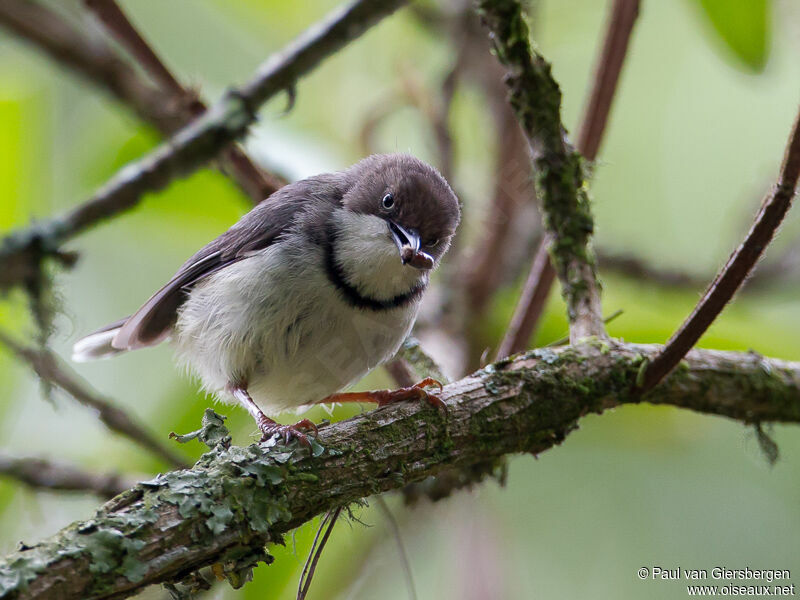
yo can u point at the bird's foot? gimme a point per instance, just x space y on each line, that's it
415 392
269 428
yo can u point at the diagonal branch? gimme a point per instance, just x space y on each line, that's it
255 182
198 142
52 370
223 510
736 270
43 474
88 56
542 274
92 58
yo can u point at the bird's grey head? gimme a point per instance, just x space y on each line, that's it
419 207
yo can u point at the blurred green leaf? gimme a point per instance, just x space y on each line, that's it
744 27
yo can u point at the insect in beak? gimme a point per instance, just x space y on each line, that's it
408 243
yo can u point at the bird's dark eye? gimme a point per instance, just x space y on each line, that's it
388 201
432 243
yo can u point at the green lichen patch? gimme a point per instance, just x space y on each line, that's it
212 432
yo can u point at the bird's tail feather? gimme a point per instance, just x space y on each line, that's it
98 344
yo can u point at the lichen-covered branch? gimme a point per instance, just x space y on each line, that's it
235 500
195 144
560 170
542 274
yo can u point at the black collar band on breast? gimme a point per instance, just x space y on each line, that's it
349 292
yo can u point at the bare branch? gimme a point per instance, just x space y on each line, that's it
513 188
201 140
112 16
236 499
561 176
51 369
92 58
736 270
637 268
531 303
88 56
609 66
542 274
44 474
413 364
255 182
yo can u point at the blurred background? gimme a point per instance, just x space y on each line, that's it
697 131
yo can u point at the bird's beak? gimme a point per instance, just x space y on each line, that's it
408 242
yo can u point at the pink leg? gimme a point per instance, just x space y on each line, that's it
385 397
267 426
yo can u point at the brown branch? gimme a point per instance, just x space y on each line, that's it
236 499
606 79
542 274
42 474
532 300
257 183
96 61
736 270
198 142
512 189
88 56
637 268
52 370
115 20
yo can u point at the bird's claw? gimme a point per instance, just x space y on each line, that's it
269 428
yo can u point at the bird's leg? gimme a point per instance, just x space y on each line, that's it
385 397
267 426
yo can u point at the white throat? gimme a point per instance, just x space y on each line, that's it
368 257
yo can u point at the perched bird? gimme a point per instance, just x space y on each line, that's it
307 293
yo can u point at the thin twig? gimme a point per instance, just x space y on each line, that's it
256 183
542 274
736 270
512 189
401 548
40 473
204 137
531 303
635 267
565 340
112 16
51 369
609 66
316 551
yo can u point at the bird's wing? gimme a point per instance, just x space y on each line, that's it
259 228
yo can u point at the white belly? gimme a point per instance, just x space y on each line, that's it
277 324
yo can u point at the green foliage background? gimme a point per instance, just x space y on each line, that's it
704 107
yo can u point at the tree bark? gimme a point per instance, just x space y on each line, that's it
235 500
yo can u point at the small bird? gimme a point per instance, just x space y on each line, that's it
308 292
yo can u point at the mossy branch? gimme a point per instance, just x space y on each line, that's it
560 170
235 500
